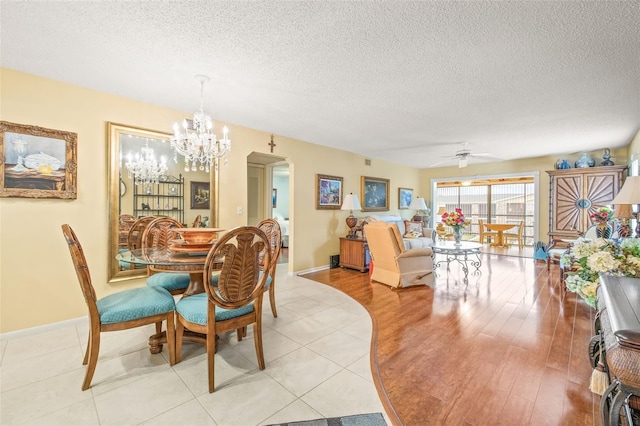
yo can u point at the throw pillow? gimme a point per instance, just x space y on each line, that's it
413 234
410 228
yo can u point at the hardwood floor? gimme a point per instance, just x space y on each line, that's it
506 349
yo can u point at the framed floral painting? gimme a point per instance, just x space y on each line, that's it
405 195
328 192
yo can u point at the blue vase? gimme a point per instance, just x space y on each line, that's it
564 164
585 161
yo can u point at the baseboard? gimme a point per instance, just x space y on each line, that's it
307 271
47 327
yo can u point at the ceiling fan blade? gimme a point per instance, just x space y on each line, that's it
486 157
442 162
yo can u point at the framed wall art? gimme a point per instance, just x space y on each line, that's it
274 198
36 162
374 193
405 195
328 192
200 195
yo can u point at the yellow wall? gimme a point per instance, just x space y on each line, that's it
37 280
634 148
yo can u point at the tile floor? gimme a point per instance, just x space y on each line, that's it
317 365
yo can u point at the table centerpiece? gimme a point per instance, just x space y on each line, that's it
457 222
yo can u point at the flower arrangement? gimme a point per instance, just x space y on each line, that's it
603 215
589 258
455 219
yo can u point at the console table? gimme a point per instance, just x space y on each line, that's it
619 325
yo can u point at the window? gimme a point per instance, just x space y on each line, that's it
495 199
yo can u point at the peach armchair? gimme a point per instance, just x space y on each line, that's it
392 265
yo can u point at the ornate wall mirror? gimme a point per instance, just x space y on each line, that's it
169 196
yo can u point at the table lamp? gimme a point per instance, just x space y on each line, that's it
623 212
629 194
351 203
418 205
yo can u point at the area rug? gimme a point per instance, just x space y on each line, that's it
372 419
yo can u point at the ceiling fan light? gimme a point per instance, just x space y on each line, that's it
463 162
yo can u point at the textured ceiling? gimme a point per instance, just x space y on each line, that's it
402 81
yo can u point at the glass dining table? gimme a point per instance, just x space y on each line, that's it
164 259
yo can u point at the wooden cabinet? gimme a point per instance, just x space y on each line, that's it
354 254
574 194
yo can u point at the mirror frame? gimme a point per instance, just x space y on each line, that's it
114 132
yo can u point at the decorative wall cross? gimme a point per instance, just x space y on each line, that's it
271 144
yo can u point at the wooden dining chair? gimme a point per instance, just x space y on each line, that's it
125 222
484 234
271 228
134 238
159 233
518 236
119 311
236 301
197 221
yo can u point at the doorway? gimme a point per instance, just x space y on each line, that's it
268 194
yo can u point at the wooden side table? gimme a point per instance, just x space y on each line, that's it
354 254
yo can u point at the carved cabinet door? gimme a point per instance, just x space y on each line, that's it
577 193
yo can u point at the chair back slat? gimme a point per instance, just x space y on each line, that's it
240 281
80 265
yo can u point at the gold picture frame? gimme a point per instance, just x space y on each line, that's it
36 162
328 192
200 195
374 193
405 195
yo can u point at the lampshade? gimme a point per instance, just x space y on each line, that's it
623 211
418 203
442 210
351 202
629 193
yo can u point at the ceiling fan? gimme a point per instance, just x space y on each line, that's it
463 156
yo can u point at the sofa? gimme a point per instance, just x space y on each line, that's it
417 236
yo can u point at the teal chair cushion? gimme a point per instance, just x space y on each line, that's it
194 309
134 304
169 281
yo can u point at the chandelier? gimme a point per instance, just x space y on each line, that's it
198 144
144 168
